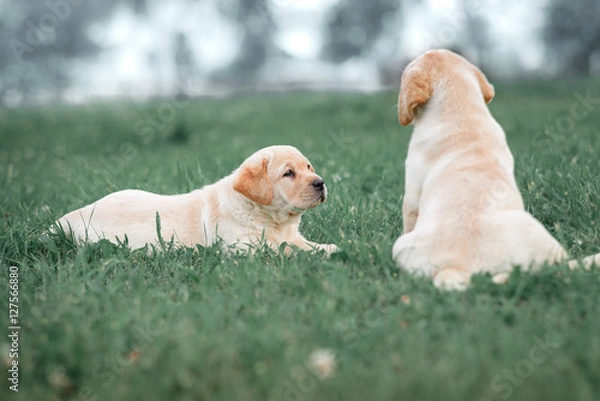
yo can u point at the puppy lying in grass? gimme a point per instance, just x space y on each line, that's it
462 210
263 200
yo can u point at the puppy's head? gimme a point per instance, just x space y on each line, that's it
439 70
280 177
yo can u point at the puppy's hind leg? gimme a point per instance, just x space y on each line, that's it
411 256
402 250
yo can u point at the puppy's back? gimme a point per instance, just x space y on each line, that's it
131 213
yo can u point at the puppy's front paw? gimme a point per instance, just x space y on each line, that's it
330 248
314 247
452 280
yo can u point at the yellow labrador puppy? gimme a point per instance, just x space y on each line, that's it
263 199
462 210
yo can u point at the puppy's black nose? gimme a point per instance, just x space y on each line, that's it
318 184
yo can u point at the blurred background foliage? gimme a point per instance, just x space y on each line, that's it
77 49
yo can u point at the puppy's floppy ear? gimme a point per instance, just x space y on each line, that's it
487 89
253 182
415 90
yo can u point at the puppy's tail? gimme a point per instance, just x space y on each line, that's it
586 262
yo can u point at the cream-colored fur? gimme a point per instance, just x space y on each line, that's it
262 200
462 210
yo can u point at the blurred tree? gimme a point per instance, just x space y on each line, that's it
39 37
476 38
140 7
185 65
354 26
254 19
573 32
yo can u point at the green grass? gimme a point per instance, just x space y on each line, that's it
102 322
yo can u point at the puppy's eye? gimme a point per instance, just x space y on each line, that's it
289 173
309 167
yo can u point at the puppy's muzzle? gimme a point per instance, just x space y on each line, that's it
319 186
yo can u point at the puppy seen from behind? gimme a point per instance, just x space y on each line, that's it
462 210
